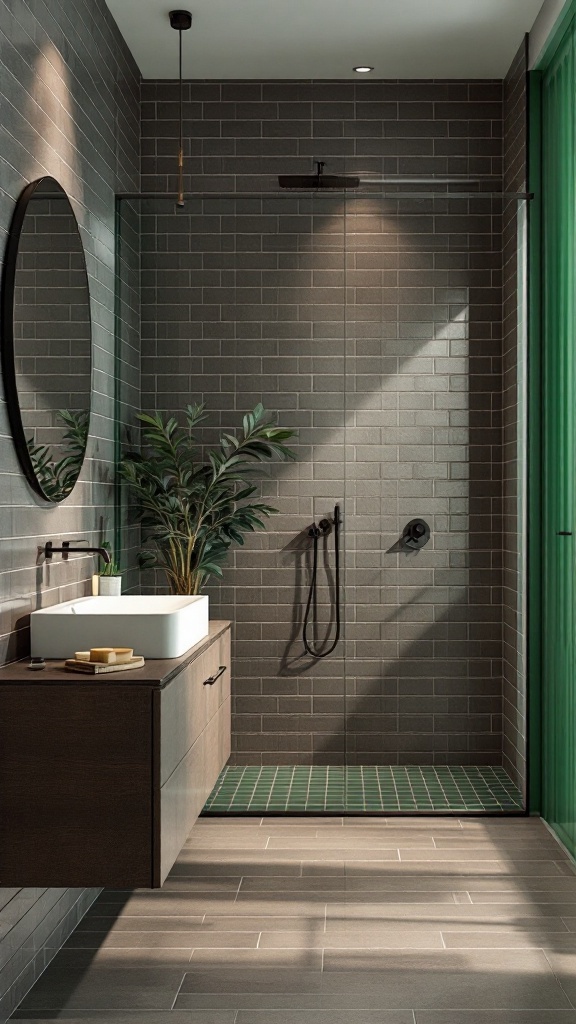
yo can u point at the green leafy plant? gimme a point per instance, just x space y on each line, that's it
58 476
192 513
111 568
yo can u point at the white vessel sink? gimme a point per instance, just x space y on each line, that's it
156 626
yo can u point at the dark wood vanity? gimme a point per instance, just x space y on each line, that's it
102 778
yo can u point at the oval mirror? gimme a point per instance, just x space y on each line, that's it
46 346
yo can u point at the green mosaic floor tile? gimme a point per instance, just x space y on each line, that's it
373 790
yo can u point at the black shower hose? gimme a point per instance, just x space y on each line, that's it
316 532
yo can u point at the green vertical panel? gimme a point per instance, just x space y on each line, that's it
534 436
558 421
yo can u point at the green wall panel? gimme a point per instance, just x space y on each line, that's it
558 423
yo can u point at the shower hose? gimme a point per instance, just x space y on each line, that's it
315 533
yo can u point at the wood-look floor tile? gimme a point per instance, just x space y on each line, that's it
491 937
287 957
464 915
105 925
127 1016
161 940
317 921
251 980
70 958
510 1016
328 1017
413 935
105 988
264 922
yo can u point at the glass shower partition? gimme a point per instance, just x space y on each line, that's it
371 324
434 665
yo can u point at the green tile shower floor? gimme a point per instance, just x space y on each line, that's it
357 790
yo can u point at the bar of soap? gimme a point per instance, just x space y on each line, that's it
103 655
82 656
123 654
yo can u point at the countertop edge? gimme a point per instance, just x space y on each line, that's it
156 673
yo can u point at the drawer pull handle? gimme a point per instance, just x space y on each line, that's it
212 679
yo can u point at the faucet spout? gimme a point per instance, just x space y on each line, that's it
67 548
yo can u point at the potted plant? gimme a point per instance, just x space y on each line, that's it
193 512
109 579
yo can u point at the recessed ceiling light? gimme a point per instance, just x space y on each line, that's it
363 70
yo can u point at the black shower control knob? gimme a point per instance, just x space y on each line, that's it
416 534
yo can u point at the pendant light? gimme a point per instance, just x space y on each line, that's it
181 21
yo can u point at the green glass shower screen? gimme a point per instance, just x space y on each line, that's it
557 366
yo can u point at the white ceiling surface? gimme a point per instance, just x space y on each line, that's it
326 38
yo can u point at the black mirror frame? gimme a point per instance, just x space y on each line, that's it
7 349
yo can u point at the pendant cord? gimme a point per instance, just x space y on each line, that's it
180 200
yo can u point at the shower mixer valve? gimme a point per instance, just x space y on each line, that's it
416 534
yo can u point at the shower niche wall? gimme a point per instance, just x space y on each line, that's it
387 328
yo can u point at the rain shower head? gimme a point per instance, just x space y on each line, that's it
318 180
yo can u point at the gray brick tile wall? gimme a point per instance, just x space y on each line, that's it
376 329
70 109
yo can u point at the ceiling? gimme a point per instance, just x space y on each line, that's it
262 39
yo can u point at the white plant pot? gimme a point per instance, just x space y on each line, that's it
110 586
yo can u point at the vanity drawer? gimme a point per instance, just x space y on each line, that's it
189 786
190 702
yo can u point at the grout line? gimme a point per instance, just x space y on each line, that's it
180 985
571 1001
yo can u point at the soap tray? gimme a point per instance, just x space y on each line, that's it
97 668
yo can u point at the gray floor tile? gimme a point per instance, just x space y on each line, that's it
104 925
163 904
325 1017
86 959
105 988
129 1016
496 1017
450 915
564 966
161 940
251 980
501 938
241 930
471 980
264 922
372 934
294 958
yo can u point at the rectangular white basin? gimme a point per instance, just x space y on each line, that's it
156 626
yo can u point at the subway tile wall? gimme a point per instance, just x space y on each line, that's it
375 329
70 96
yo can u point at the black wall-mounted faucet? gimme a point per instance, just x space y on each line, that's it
67 549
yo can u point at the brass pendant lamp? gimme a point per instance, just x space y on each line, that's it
180 21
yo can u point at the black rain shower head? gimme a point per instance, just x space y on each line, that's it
318 180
